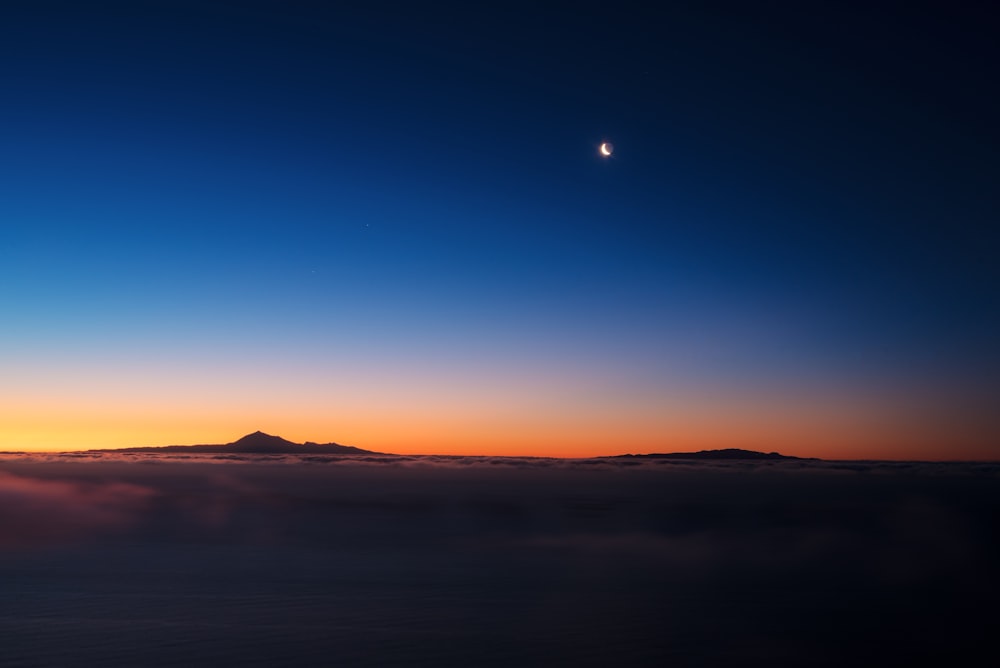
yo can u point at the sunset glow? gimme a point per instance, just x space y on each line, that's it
491 334
198 241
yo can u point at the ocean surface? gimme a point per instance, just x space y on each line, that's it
153 560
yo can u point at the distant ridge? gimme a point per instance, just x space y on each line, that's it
260 443
726 453
255 443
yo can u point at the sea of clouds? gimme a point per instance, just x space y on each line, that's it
155 559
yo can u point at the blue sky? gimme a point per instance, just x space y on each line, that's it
798 219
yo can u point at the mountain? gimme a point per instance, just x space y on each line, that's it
257 443
727 453
261 443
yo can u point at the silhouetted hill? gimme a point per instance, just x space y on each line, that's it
727 453
259 443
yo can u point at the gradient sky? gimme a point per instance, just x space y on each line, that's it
389 226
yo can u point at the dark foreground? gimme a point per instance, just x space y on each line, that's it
160 561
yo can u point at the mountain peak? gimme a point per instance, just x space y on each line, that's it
726 453
258 443
261 441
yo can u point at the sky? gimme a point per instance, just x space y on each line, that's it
390 226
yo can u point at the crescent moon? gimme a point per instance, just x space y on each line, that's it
606 149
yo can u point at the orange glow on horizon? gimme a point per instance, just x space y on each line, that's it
89 406
556 438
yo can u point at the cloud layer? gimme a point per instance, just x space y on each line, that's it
373 559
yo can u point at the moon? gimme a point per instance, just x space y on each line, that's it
607 148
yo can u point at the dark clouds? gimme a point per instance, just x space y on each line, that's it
37 512
428 560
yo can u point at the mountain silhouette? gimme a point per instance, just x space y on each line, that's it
256 443
726 453
260 443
